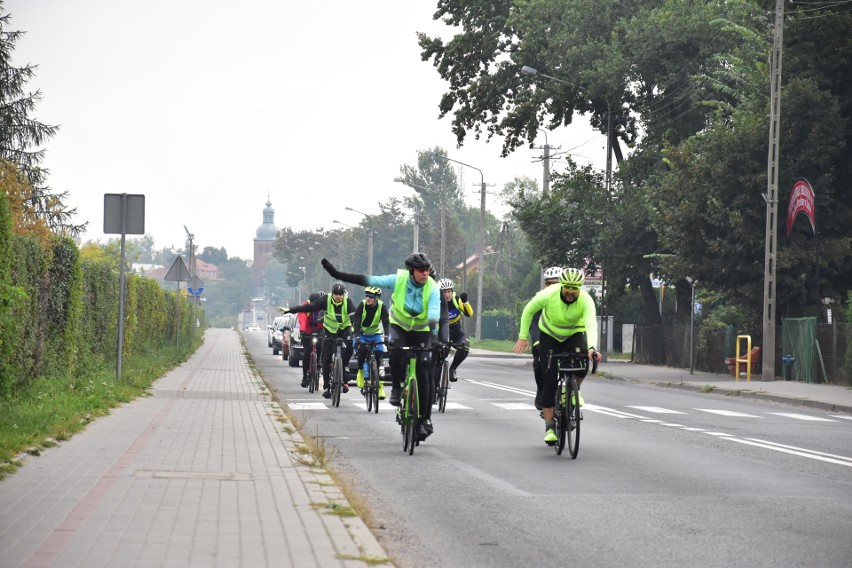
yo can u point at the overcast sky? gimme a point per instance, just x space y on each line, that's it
209 107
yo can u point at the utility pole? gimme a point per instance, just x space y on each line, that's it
771 197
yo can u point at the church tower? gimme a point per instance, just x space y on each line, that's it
264 243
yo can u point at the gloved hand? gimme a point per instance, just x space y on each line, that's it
283 309
463 297
329 267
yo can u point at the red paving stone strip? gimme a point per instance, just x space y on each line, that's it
201 473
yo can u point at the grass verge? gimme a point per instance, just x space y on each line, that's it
49 410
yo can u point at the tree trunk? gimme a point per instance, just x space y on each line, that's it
650 302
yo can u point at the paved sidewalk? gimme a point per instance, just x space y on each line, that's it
205 472
815 395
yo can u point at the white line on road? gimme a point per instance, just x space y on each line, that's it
727 413
657 410
802 416
786 449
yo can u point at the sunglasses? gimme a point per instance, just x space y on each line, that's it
573 289
370 296
422 270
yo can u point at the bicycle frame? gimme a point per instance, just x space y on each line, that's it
409 404
372 387
567 413
337 370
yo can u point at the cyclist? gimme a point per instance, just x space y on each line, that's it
371 324
551 276
456 306
309 322
336 323
567 319
414 315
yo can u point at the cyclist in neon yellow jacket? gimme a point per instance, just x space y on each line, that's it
414 315
567 320
336 323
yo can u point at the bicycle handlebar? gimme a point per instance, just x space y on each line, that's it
578 360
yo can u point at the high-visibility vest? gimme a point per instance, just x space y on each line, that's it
399 316
330 322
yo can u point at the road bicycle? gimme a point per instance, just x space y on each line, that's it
567 412
372 376
442 386
337 370
313 369
409 403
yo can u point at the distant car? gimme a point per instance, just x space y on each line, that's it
253 327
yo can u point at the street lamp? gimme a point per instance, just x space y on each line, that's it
533 72
418 188
443 210
370 234
480 245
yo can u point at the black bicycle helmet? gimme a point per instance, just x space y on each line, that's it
314 297
338 288
417 260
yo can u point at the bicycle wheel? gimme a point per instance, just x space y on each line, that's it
405 425
313 375
373 389
572 421
336 380
444 387
561 416
411 414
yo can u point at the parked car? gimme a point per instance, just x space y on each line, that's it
275 334
253 327
295 351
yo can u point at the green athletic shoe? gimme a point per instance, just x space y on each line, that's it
550 436
580 396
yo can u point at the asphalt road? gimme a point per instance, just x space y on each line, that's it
663 478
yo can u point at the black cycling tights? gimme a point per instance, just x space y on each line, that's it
547 344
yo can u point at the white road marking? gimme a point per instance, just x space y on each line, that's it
505 388
802 449
307 405
657 410
513 405
802 417
727 413
786 449
841 417
457 406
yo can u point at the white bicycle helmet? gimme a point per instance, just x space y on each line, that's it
553 273
446 284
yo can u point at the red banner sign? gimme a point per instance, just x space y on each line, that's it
801 199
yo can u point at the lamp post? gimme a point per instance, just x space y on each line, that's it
532 71
416 237
480 245
370 234
418 189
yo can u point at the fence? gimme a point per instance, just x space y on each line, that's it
669 345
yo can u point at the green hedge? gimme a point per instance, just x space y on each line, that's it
59 315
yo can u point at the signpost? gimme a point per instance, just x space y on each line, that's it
177 273
123 214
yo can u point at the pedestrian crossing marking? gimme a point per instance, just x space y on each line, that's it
657 410
513 405
307 405
457 406
802 417
730 413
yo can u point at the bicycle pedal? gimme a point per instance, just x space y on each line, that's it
550 443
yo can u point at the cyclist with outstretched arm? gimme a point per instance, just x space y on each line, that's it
567 320
414 315
336 323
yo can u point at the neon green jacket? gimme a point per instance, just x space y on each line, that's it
559 319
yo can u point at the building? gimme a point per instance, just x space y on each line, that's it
264 244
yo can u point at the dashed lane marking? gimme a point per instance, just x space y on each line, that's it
730 413
801 417
657 410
